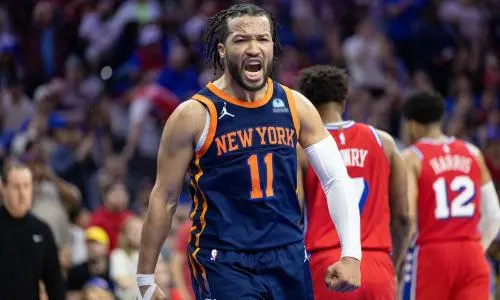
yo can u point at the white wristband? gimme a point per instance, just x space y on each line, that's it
145 280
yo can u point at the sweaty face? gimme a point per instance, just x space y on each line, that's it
18 192
248 51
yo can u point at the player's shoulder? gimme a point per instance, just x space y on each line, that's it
476 153
191 110
412 151
304 109
412 156
383 138
473 149
300 100
301 104
187 120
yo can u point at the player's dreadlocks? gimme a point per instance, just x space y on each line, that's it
217 30
323 83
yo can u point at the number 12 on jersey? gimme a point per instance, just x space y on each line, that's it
253 163
458 207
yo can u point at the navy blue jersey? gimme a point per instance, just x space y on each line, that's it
244 177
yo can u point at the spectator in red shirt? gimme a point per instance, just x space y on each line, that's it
180 265
111 216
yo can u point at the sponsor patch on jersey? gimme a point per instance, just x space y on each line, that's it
279 106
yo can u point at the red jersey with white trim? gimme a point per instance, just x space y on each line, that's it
449 191
368 166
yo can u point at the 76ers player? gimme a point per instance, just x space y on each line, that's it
456 205
379 175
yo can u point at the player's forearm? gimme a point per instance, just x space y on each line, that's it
156 227
326 161
345 214
401 236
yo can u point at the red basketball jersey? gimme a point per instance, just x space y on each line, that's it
449 189
369 168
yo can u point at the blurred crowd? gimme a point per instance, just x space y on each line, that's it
86 86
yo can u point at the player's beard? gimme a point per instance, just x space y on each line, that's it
236 72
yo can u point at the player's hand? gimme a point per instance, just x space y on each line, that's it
344 275
157 295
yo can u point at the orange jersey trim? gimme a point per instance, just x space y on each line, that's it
201 267
195 271
254 104
204 203
213 123
293 109
195 205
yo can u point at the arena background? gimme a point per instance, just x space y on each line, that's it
86 85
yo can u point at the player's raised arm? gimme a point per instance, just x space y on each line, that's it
328 164
489 224
174 156
401 221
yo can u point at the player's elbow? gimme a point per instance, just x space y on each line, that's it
162 200
409 225
405 223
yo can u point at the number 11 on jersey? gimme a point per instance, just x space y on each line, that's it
253 163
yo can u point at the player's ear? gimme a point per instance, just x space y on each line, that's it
222 50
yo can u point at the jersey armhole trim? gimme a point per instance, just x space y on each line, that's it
377 136
417 152
293 109
204 133
212 127
472 149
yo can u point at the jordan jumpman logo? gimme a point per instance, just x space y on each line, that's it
224 112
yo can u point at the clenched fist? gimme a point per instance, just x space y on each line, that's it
344 275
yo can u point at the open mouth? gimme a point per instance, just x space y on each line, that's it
253 70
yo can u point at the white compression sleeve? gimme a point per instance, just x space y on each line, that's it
328 164
489 224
